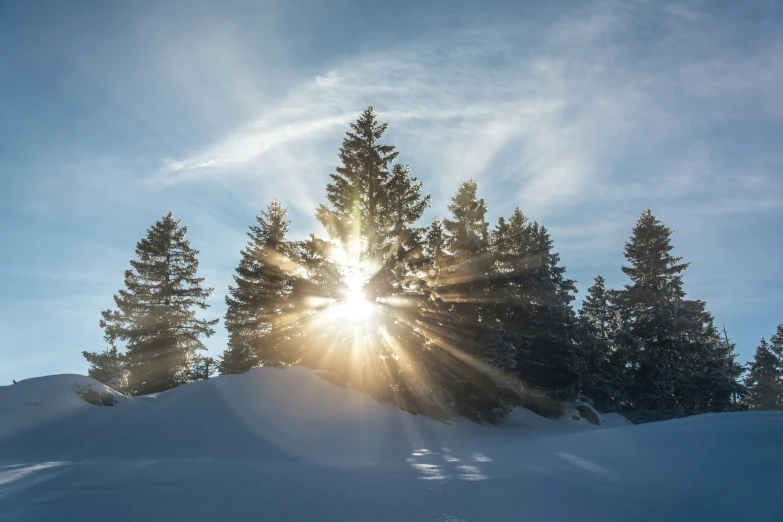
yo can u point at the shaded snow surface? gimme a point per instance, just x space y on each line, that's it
277 444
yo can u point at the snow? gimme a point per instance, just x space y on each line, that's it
288 444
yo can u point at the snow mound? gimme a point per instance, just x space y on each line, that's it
32 403
293 444
268 412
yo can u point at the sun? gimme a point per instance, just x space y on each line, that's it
355 306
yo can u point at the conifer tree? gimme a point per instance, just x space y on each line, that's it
258 302
764 382
488 386
435 252
548 358
370 217
724 388
464 284
649 306
776 341
108 367
156 313
597 310
358 188
404 204
679 365
602 368
202 368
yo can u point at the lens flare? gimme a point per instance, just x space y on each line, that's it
355 306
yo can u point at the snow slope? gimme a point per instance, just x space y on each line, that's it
279 444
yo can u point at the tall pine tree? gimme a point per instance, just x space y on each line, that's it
258 303
156 312
547 356
678 365
357 192
487 386
371 214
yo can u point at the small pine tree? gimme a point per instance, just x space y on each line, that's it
108 367
202 368
602 361
776 342
764 382
435 252
156 313
597 309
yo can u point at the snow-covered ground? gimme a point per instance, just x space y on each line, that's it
288 445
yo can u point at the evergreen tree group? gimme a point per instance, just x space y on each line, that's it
462 318
647 350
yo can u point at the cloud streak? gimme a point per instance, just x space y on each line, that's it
559 122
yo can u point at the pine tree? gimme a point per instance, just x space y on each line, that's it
764 381
370 217
257 305
435 252
485 376
547 358
404 205
649 307
108 367
358 188
726 389
465 282
602 359
597 310
510 306
776 341
156 313
202 368
678 365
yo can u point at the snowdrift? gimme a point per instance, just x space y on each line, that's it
286 444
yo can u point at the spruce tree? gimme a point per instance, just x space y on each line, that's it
678 365
724 387
764 382
649 306
108 367
547 358
602 359
465 281
435 252
776 341
358 188
404 205
370 217
202 368
258 304
596 309
156 312
530 304
486 380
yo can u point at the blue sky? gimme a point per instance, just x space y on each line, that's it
583 114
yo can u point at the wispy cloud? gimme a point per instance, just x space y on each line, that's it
557 109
